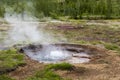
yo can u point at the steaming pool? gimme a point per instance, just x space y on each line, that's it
54 53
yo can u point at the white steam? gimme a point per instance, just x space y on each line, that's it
24 29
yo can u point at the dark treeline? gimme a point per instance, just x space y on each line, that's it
76 9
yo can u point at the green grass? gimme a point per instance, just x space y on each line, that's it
91 32
5 77
48 72
10 59
45 75
60 66
110 46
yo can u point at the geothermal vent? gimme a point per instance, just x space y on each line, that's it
53 53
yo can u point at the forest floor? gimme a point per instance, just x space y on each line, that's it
103 35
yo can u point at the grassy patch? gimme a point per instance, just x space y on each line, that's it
109 46
45 75
82 42
48 72
112 47
91 31
60 66
10 59
5 77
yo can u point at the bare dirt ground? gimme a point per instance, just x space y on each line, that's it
28 70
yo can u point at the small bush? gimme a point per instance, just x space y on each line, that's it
54 15
61 66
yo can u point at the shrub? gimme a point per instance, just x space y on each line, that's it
54 15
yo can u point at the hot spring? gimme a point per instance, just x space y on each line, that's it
46 51
53 53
